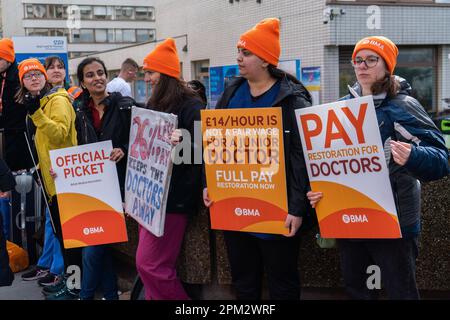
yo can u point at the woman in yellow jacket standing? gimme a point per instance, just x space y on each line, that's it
52 113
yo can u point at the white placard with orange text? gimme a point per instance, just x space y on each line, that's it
345 160
89 200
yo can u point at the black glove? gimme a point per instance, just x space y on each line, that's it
32 103
7 180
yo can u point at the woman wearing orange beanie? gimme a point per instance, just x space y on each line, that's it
52 114
262 84
156 256
415 149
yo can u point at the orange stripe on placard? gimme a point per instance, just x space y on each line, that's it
96 227
267 227
72 243
73 204
241 213
359 223
339 197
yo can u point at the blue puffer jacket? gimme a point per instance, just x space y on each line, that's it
403 118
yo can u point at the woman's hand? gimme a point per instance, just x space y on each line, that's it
53 174
116 155
314 197
293 223
176 137
400 151
206 200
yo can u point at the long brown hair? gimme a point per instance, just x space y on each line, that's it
388 84
168 94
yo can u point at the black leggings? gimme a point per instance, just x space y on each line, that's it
250 256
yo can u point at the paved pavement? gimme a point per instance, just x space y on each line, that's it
30 290
21 290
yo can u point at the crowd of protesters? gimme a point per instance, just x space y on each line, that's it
36 100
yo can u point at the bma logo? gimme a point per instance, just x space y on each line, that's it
58 42
354 218
93 230
246 212
31 67
242 43
373 43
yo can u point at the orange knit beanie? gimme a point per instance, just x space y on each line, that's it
263 40
7 50
164 59
29 65
381 45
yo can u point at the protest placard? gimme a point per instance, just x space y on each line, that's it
88 192
345 160
245 170
149 168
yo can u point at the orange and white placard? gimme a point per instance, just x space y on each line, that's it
245 170
345 160
88 192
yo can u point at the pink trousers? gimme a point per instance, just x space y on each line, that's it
156 259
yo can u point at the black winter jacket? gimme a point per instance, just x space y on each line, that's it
291 96
12 120
185 183
115 127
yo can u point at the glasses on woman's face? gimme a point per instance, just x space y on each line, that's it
31 75
370 61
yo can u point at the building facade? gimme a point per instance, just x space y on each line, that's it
319 33
90 26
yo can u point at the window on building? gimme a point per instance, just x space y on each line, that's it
418 66
75 35
124 13
151 13
415 64
29 11
101 35
86 35
86 12
144 13
143 35
129 35
103 12
60 11
39 11
128 12
37 32
57 32
111 37
109 13
100 12
119 35
51 11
